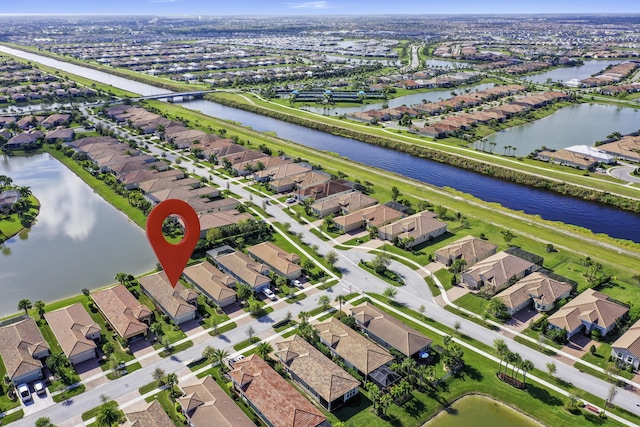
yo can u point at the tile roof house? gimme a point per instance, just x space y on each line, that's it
179 302
627 348
152 416
276 401
496 272
343 203
415 229
213 283
245 269
299 181
588 311
388 331
59 135
357 351
567 158
468 248
206 404
281 171
281 262
123 311
22 347
76 331
535 288
323 190
8 198
221 219
376 216
319 376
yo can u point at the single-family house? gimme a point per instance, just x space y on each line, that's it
213 283
280 261
245 270
468 248
24 140
275 401
537 289
299 181
221 220
373 216
23 348
59 135
179 302
323 190
627 348
323 380
56 120
152 416
497 272
567 158
588 311
8 198
357 351
414 229
76 332
388 331
126 315
205 403
344 203
250 166
281 171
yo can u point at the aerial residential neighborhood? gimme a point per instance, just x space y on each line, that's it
404 220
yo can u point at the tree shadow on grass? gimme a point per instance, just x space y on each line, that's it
472 373
593 419
543 395
415 408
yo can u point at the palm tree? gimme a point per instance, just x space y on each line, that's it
263 349
25 305
526 366
385 401
56 361
40 307
158 374
24 191
109 415
219 355
156 328
446 340
208 352
516 360
171 380
501 349
341 299
304 317
44 422
390 293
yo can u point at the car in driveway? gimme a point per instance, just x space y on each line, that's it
269 294
297 283
39 387
24 392
291 200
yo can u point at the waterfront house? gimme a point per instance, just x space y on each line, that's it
213 283
537 289
126 315
468 248
179 302
59 135
8 198
76 332
280 261
373 216
23 348
415 229
567 158
497 272
626 349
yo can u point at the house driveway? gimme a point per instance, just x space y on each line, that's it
457 292
579 344
521 320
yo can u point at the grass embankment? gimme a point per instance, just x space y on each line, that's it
408 142
14 224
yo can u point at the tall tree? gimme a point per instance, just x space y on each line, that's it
390 293
109 415
324 301
25 305
526 366
502 349
341 299
39 305
263 349
331 258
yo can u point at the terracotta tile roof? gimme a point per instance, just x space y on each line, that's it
18 343
244 268
389 329
377 216
536 286
360 352
498 269
123 311
174 301
284 262
153 416
158 184
467 248
282 171
590 306
274 397
630 340
211 280
416 226
303 180
71 325
222 219
318 372
205 402
350 202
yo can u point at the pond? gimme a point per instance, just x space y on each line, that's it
480 411
78 241
564 74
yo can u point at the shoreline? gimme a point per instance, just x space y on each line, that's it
34 208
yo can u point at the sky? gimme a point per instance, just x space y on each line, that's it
314 7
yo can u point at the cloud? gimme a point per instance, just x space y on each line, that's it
309 5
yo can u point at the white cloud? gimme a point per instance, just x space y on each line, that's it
309 5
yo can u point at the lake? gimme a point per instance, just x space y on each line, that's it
79 240
564 74
480 411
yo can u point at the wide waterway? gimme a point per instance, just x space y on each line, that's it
78 241
596 217
552 206
579 72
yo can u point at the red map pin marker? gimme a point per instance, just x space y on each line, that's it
173 258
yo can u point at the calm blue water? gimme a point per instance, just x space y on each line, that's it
551 206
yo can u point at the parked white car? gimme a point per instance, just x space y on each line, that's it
269 293
39 387
24 392
297 283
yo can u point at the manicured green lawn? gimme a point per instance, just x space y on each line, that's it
444 277
67 394
11 225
